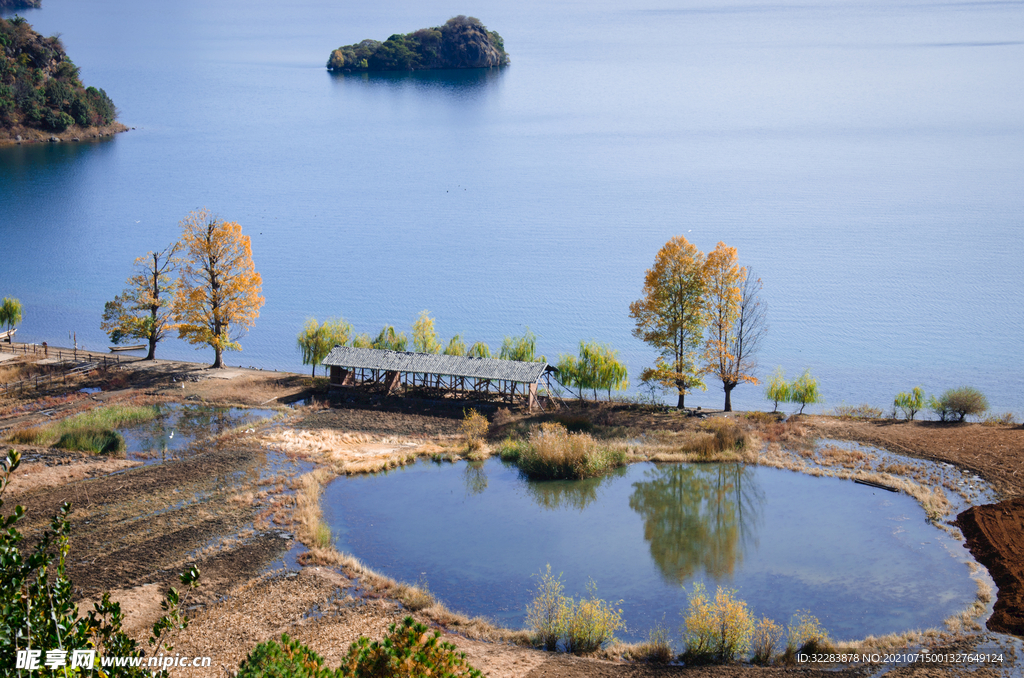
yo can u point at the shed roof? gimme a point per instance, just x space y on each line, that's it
431 363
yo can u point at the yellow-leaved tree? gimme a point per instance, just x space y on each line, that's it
671 317
724 349
219 294
143 309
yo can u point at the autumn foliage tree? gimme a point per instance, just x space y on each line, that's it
143 309
219 295
736 321
671 317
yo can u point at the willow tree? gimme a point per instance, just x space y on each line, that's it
455 346
597 367
219 295
389 340
10 313
671 317
424 337
315 341
522 348
143 310
736 318
479 350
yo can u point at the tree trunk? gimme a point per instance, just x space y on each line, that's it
680 406
152 349
217 362
728 396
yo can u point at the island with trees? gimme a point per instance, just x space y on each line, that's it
462 42
20 4
41 95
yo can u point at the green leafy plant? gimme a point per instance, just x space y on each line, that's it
597 367
408 651
543 615
36 596
910 403
959 403
777 390
804 391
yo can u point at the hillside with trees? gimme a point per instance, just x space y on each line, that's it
462 42
40 90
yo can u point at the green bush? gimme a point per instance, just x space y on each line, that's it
543 615
777 390
910 403
36 597
289 659
959 403
804 391
95 440
582 626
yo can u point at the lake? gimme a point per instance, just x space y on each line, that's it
866 159
864 561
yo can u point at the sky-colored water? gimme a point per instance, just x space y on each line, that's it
866 158
864 561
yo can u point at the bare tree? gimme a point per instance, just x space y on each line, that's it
748 332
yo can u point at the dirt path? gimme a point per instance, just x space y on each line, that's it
995 535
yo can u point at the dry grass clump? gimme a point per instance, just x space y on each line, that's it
838 456
553 452
474 428
656 649
863 411
721 434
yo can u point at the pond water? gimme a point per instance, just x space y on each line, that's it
179 425
864 561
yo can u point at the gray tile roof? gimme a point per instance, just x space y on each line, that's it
429 363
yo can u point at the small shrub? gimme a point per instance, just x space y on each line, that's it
777 390
588 623
474 427
864 411
762 417
804 391
656 649
408 651
1005 419
289 658
806 634
510 449
958 402
715 631
322 535
554 453
33 435
502 416
765 640
543 615
95 440
910 403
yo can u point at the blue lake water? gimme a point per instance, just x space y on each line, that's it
863 560
865 157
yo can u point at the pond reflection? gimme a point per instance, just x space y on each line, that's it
553 495
698 517
475 477
178 426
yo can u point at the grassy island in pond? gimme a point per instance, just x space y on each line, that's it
40 91
462 42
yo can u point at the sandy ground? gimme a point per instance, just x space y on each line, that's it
226 506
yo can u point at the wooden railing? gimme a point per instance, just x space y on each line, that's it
68 361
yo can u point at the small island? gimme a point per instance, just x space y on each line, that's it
41 96
20 4
462 42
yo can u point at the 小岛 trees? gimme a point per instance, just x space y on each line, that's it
143 309
10 313
219 293
316 340
671 316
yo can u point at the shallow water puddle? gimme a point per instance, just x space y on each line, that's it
179 425
863 560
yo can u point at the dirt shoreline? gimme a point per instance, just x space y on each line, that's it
229 506
31 135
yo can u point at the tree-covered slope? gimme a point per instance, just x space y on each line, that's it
39 85
462 42
19 4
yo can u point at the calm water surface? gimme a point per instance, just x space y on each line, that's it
865 157
865 561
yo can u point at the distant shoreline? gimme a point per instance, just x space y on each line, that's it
30 135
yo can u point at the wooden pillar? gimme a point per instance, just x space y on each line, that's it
532 398
391 381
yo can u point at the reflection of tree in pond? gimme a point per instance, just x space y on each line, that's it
697 516
555 494
199 421
474 477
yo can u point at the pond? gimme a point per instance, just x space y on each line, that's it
179 425
864 561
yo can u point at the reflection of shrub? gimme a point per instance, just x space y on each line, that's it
765 640
93 439
553 452
474 427
715 631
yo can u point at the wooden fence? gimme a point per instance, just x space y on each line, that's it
69 362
